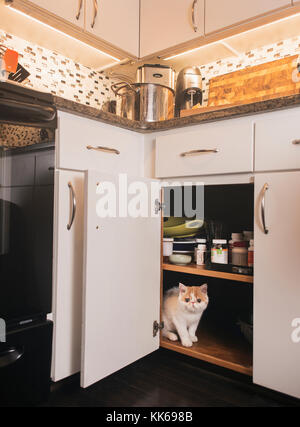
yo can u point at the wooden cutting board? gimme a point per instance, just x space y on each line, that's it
253 84
194 111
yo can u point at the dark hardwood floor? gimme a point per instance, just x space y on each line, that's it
167 379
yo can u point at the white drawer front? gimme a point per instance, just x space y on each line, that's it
76 133
224 147
277 141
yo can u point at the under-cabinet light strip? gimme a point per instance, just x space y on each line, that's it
223 41
64 34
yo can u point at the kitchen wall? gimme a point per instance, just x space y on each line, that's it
52 72
61 76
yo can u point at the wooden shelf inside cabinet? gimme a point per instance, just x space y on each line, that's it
202 271
218 346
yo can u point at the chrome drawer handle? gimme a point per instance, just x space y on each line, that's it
72 206
95 13
296 142
79 9
263 208
196 152
193 16
103 149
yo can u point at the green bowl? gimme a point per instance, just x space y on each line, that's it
188 229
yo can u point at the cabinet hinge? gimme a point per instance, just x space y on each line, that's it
159 206
157 327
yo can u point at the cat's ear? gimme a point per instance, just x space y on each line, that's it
182 288
203 288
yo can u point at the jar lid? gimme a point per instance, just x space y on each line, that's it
252 242
237 236
201 241
168 239
219 242
241 244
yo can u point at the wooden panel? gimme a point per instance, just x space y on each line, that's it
259 83
218 345
276 284
121 283
202 271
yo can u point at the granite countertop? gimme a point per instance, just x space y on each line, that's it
143 127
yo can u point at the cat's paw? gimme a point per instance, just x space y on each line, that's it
187 342
172 336
194 338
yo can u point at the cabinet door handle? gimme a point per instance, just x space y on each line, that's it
95 13
72 206
197 152
263 208
296 142
79 9
104 149
193 16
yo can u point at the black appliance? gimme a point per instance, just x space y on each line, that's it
28 120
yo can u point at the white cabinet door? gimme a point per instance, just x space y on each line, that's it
67 283
220 14
116 22
66 9
276 284
277 141
121 280
167 23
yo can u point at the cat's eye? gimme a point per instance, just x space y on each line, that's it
199 300
187 300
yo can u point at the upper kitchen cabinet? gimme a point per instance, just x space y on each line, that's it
109 27
168 23
116 22
70 10
220 14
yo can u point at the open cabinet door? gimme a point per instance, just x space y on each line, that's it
121 294
276 282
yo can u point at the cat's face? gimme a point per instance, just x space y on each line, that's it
193 298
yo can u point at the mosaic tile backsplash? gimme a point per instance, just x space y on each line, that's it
54 73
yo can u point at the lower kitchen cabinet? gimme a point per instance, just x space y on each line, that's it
277 290
110 269
67 283
109 273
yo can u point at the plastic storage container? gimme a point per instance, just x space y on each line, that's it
200 252
240 256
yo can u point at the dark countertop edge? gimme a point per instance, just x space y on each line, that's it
226 113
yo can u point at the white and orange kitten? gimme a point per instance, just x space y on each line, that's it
182 311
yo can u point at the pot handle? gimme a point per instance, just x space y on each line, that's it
116 87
